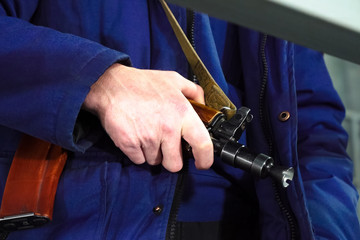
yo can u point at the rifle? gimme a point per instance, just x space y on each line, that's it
225 134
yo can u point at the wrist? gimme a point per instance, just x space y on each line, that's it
99 97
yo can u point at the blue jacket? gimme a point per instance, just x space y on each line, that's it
53 51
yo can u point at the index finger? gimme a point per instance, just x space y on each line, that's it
189 89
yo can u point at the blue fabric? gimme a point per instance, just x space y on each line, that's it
53 51
46 106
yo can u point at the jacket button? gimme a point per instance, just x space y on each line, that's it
158 209
284 116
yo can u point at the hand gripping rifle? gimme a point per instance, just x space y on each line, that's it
225 127
225 134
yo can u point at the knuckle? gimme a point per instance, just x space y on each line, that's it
148 140
199 89
172 161
206 146
175 166
154 162
207 158
184 110
174 74
168 129
204 164
128 144
153 156
137 161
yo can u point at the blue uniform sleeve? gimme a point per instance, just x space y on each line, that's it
325 167
45 76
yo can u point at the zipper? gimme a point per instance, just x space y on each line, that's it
190 19
263 87
280 199
171 232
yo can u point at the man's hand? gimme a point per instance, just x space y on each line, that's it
146 113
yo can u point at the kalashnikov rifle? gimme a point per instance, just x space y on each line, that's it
225 135
225 126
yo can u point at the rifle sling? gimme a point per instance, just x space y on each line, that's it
29 194
214 96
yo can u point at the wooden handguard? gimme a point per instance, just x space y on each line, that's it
206 114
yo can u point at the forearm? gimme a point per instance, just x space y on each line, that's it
45 77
